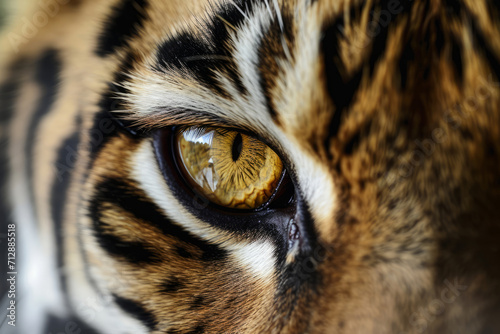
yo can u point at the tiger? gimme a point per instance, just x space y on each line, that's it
250 166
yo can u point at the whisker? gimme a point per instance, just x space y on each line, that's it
282 27
268 8
240 10
286 49
278 13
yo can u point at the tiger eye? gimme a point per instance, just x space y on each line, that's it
229 168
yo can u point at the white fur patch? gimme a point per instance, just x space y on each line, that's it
257 257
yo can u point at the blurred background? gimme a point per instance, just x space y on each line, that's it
8 6
2 12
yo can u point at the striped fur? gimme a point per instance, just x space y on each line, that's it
386 116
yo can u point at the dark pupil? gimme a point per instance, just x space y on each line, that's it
237 146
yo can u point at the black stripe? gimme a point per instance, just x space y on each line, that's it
137 310
126 20
457 62
352 144
202 57
271 50
341 86
171 285
137 253
459 10
174 331
181 251
103 130
133 252
379 42
198 303
453 7
9 91
199 329
132 200
107 123
407 56
493 9
484 47
424 45
65 163
47 76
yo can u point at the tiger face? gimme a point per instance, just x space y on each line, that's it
303 166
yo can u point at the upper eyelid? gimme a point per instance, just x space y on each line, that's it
147 124
180 118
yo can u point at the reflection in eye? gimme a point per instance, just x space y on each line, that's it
231 169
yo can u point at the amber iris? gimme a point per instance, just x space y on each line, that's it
229 168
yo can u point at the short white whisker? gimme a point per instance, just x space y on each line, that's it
240 10
278 13
269 8
286 49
